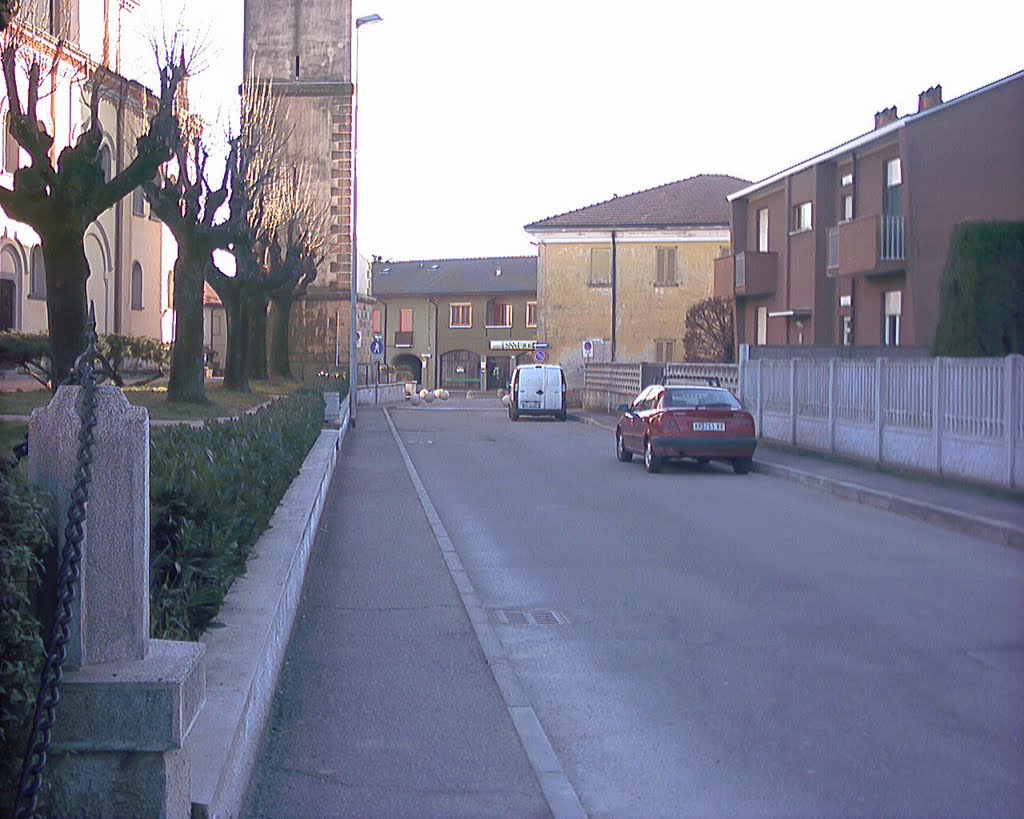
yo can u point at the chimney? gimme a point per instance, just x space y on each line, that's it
886 116
929 99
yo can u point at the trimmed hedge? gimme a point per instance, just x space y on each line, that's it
26 535
213 491
981 296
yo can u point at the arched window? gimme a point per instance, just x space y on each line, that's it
10 271
136 286
12 151
106 162
37 275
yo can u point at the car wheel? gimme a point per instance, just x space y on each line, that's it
741 466
652 463
621 452
702 462
563 415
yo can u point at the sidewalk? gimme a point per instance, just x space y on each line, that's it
388 703
996 515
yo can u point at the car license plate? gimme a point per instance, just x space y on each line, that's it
531 404
708 426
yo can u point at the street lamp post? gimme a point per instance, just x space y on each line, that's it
353 365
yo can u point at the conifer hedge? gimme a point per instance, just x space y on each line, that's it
981 295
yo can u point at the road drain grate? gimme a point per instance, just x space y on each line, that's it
530 617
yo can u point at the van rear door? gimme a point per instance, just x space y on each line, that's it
552 389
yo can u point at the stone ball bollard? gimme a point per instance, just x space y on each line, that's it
439 394
415 400
445 395
429 397
470 395
506 400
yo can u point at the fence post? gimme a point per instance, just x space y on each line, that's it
760 398
127 702
792 401
938 409
1013 392
832 405
879 407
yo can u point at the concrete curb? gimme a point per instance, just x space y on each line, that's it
244 658
993 530
985 528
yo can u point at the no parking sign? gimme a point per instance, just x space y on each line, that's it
540 355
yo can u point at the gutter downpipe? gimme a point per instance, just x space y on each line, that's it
614 300
119 225
437 355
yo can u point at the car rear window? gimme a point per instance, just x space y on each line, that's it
700 399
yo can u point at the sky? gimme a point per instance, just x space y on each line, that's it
477 117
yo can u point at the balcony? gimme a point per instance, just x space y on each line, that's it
746 274
870 246
403 338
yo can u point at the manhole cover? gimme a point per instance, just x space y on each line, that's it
530 617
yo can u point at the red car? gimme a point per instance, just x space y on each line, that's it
703 423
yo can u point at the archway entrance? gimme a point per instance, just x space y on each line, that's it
460 370
408 368
498 372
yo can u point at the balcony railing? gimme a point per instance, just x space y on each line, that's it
892 248
403 338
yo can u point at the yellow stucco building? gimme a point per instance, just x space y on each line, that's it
620 275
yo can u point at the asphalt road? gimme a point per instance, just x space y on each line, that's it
732 645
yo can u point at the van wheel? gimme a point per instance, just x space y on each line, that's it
652 463
621 452
741 466
512 414
563 415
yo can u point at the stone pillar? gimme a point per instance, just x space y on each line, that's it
127 702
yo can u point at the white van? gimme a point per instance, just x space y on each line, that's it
537 389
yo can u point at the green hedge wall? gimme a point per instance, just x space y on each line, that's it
213 491
981 296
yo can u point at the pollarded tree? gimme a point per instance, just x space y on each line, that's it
251 171
709 334
60 202
296 245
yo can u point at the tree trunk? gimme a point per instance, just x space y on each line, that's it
236 376
66 305
258 334
186 381
280 311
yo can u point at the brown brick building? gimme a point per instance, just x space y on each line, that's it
848 247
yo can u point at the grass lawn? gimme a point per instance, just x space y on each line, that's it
221 403
10 434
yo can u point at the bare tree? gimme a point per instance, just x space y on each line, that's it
709 334
60 202
296 245
252 172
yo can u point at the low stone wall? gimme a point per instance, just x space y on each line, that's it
244 657
381 394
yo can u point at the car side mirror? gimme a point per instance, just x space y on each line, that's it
623 408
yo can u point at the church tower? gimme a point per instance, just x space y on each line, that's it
303 48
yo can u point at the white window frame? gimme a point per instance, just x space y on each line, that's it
893 173
504 307
762 326
762 230
847 179
893 314
803 217
847 207
531 314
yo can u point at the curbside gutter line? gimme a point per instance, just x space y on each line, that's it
244 658
996 531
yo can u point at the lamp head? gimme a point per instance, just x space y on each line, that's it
369 18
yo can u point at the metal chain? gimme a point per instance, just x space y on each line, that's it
67 580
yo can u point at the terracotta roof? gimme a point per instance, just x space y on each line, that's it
697 201
518 274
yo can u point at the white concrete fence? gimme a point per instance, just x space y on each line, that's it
961 417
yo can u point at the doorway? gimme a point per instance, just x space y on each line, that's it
497 372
